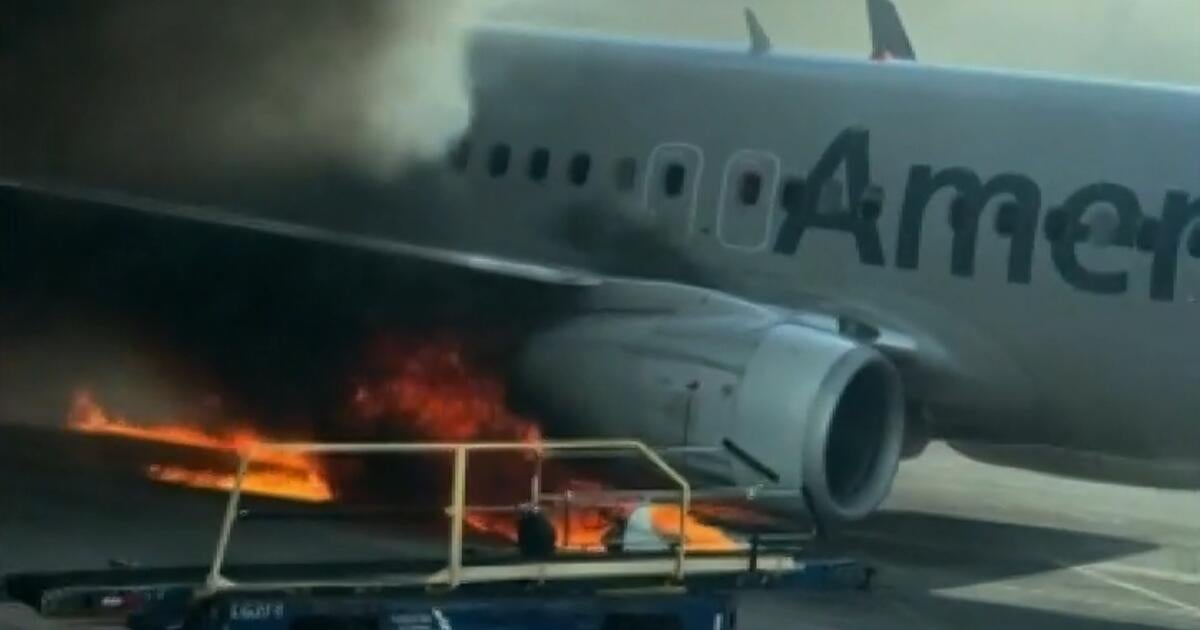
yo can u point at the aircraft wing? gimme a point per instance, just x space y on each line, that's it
227 218
645 340
607 290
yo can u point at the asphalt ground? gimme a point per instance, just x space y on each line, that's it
959 544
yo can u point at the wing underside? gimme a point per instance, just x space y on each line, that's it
603 291
114 201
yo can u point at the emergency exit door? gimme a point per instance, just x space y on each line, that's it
749 188
672 189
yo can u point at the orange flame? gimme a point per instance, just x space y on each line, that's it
290 484
435 393
699 536
441 396
438 394
586 529
581 529
290 476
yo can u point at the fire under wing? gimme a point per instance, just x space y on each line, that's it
792 401
819 394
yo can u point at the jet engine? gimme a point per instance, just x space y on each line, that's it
796 407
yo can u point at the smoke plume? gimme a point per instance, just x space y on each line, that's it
130 91
300 111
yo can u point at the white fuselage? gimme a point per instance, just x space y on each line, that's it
765 172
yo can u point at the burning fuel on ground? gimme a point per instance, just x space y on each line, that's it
299 342
427 390
275 474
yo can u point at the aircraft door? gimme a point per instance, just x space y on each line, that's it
749 188
672 188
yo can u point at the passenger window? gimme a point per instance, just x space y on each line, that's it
625 174
870 207
749 189
499 159
792 197
673 180
460 157
1102 224
581 167
539 164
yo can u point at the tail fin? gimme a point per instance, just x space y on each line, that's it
889 40
760 43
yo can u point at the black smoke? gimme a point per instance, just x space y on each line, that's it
206 100
276 328
141 92
270 108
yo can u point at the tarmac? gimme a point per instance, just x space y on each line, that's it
959 544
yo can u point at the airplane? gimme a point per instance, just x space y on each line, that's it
804 268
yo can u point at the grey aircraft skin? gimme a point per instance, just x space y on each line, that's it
1035 360
1009 258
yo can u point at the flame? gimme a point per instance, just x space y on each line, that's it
499 526
581 529
586 529
276 474
699 536
431 391
441 396
435 392
290 484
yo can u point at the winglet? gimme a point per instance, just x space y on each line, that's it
760 43
889 40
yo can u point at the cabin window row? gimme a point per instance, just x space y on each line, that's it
537 165
500 160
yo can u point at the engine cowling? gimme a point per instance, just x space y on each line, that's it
822 411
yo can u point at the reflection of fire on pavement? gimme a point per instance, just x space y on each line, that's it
425 391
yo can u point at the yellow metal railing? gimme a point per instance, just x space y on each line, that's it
453 575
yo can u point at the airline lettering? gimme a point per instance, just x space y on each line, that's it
1020 206
851 149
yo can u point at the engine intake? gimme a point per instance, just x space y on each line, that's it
821 411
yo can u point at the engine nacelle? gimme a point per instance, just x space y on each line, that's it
822 411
